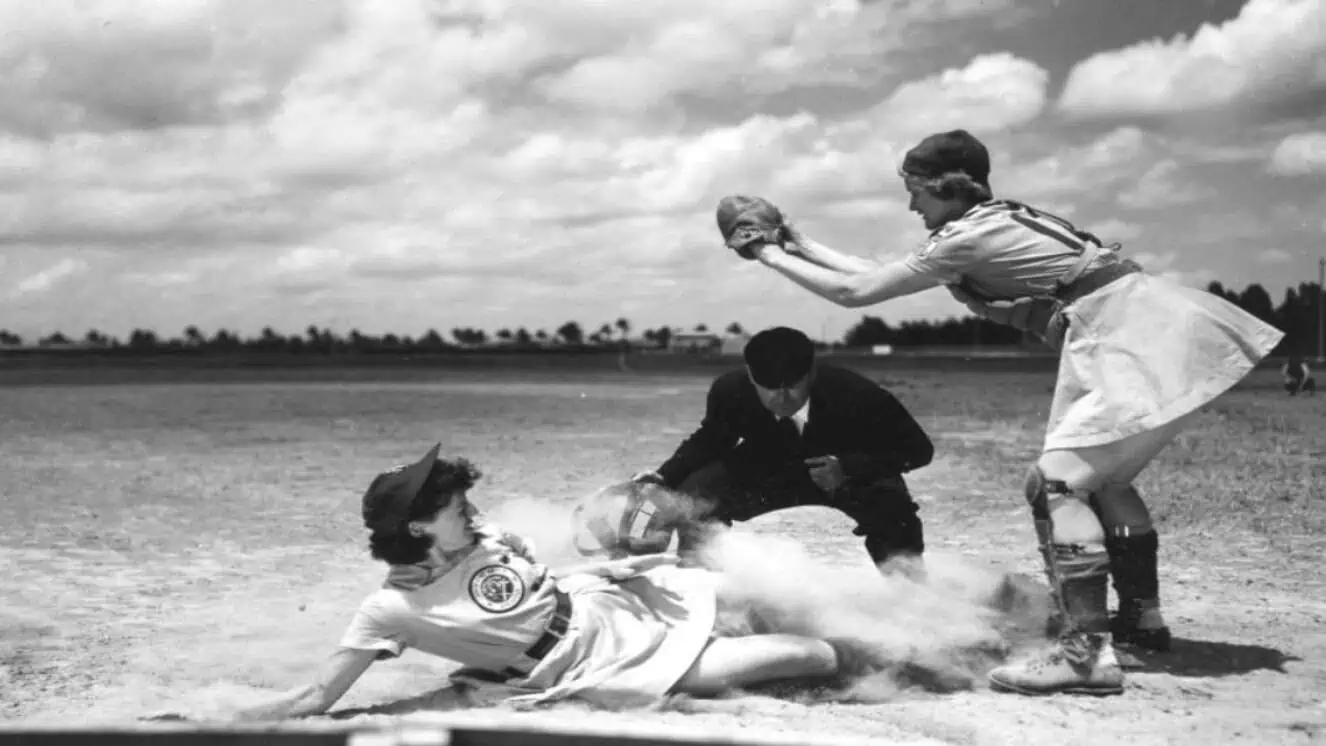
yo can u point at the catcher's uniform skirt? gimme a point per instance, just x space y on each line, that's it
1144 351
628 642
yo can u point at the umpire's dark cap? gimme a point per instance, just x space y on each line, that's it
388 498
949 152
779 357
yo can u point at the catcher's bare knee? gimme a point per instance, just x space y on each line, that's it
1067 511
1122 510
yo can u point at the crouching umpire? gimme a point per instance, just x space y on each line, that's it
787 430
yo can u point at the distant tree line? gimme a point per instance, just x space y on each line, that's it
1296 314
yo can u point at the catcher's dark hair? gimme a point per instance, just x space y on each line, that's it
957 185
396 545
779 356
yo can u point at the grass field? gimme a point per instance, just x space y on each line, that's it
187 545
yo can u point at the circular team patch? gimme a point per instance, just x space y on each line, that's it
497 588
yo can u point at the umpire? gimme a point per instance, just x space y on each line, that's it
788 430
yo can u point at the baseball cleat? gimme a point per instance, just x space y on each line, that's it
1083 664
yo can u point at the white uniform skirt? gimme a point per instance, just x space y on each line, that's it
1144 351
629 641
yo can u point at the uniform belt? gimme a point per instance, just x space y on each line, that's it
552 634
1096 279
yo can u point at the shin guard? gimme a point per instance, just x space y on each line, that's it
1078 575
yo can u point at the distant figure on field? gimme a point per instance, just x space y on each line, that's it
1298 377
786 430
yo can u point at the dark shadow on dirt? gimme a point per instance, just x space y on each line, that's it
1209 659
439 700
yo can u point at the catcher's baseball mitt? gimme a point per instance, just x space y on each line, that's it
746 222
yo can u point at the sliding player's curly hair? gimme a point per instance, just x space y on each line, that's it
397 546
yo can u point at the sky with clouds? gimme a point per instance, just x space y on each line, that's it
414 164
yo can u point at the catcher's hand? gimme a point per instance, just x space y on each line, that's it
746 242
748 224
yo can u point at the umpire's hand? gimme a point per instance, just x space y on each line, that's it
826 472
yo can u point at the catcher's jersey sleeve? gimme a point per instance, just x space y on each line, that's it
1005 250
483 611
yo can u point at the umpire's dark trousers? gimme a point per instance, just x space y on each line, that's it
884 511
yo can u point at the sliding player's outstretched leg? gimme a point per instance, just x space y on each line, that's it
1072 545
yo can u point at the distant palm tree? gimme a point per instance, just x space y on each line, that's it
571 333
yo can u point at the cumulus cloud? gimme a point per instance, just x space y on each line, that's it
1162 186
638 55
1111 230
396 166
1300 154
995 91
1274 256
108 65
1167 265
51 276
1097 165
1273 50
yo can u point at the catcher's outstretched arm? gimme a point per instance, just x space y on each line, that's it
849 290
817 253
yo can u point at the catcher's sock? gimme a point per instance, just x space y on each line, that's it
1133 563
1134 567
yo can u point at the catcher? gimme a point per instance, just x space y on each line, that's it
1139 356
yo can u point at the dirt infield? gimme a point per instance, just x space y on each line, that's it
189 546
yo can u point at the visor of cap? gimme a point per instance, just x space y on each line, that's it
387 500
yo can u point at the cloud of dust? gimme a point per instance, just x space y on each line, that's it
942 628
940 624
553 529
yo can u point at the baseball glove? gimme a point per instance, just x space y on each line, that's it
747 222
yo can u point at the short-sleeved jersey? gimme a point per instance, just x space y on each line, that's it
1004 250
484 609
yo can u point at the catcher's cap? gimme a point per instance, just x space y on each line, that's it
779 356
737 211
387 500
949 152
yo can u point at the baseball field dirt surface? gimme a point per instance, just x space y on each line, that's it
193 546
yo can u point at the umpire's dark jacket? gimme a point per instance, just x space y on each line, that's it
850 417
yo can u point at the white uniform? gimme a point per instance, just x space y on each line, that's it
1140 352
484 609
